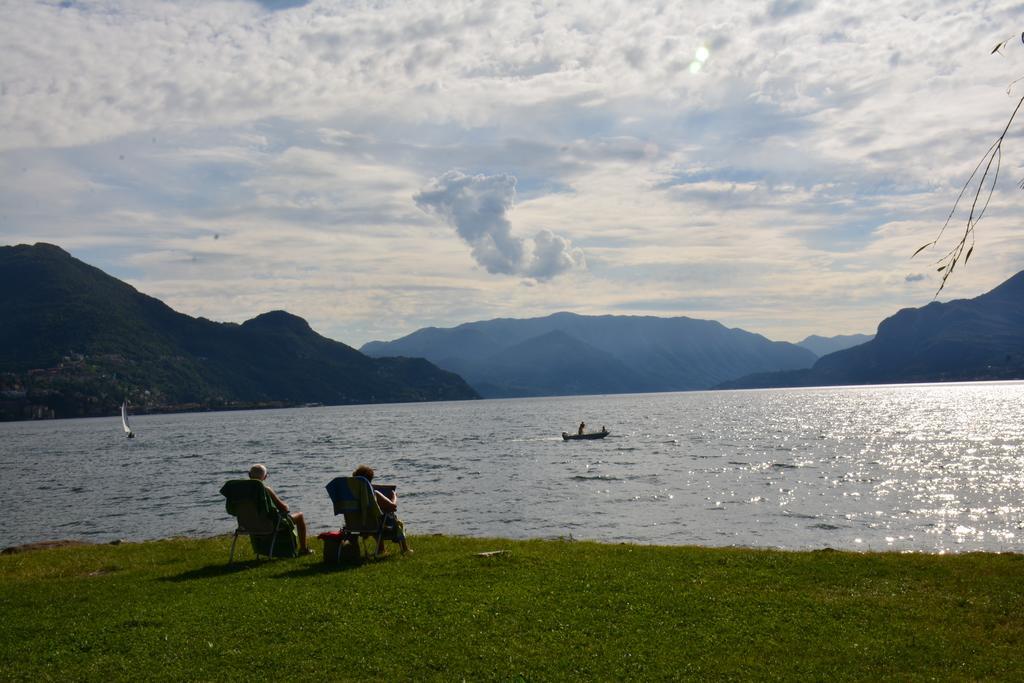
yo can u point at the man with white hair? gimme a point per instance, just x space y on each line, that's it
259 471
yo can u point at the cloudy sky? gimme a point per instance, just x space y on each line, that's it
377 167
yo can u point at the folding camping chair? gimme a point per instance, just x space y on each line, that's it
270 531
353 497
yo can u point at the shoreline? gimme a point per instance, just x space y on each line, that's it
184 409
33 546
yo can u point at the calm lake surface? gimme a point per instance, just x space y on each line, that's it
933 468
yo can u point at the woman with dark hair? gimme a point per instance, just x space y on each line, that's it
387 504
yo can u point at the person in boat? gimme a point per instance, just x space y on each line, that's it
388 505
582 427
259 471
604 430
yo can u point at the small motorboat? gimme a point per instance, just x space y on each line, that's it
587 435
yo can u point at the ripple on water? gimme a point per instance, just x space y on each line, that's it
907 472
798 515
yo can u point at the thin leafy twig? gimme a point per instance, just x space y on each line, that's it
1002 43
993 156
991 162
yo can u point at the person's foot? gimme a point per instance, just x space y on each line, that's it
307 551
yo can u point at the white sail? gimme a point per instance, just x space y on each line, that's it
124 418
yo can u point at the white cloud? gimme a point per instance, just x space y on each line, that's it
477 207
781 188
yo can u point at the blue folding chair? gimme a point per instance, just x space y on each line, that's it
353 497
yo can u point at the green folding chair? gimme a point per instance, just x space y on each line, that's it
270 531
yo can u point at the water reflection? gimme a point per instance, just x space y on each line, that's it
929 467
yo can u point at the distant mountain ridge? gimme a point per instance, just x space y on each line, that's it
569 354
961 340
822 346
76 341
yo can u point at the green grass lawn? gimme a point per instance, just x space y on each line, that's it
545 610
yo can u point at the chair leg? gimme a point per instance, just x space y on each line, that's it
234 540
380 534
273 540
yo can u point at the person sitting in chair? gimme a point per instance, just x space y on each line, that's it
388 505
259 471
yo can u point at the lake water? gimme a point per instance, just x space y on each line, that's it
933 468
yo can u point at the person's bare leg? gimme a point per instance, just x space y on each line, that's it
300 526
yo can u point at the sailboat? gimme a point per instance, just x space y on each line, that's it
124 420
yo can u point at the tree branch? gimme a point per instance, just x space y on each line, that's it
991 162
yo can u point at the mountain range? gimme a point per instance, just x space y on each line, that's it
965 339
567 354
822 346
76 341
